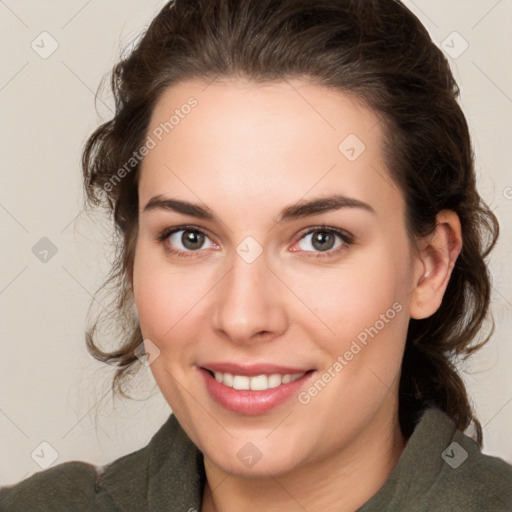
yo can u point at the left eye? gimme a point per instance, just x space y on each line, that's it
323 240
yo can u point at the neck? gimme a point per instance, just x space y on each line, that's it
342 482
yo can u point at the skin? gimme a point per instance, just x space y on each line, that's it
256 148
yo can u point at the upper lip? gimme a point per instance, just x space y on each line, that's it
251 370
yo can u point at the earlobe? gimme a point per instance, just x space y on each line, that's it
437 254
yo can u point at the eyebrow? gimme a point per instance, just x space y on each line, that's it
298 210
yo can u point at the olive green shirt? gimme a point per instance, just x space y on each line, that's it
440 470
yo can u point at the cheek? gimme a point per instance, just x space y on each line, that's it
164 300
353 297
159 295
364 303
168 297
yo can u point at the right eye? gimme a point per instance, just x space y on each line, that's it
184 241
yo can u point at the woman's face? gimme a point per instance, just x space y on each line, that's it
255 285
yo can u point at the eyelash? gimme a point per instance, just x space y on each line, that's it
345 237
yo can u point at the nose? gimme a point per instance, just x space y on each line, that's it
249 303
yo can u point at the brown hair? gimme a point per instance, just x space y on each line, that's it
375 49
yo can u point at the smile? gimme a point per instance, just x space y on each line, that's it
256 383
253 391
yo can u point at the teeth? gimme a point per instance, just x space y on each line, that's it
256 383
274 380
259 383
241 382
227 379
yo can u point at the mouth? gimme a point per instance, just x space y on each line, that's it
255 383
251 391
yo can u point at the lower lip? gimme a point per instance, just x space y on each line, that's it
248 401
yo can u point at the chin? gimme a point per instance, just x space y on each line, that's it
250 462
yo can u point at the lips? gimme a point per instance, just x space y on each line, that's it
252 389
251 370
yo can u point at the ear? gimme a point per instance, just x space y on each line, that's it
436 256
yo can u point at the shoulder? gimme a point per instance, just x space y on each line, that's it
462 477
168 472
472 480
443 470
79 486
68 486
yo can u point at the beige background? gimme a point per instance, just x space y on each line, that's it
51 390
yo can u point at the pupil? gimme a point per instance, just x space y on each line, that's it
192 239
323 238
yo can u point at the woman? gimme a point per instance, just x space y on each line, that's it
302 254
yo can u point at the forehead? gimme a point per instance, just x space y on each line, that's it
277 142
